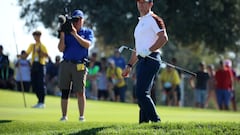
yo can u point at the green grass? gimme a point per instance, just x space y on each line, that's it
107 118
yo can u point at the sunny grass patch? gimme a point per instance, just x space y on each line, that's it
12 108
103 128
107 118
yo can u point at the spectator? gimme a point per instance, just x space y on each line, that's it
52 76
102 81
39 55
114 75
224 81
118 59
199 85
3 58
170 79
94 59
178 88
228 64
93 70
7 80
211 87
23 73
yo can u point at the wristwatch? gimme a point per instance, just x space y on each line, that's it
130 65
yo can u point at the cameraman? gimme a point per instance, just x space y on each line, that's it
72 70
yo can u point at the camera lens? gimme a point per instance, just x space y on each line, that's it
61 19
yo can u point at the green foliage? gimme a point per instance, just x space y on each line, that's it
189 23
112 20
216 23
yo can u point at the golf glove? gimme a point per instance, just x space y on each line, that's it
144 53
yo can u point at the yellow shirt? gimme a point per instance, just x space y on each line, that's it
171 76
116 74
37 50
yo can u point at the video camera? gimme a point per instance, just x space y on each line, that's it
65 23
67 20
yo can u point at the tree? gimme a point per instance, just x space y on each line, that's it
213 23
216 23
113 21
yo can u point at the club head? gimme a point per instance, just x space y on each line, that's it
121 49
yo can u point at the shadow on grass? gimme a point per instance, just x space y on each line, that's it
5 121
92 131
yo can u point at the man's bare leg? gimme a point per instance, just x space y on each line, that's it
81 103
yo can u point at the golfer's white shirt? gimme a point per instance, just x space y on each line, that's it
145 33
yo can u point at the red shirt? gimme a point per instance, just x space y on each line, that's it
223 79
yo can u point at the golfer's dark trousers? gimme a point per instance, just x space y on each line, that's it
38 81
147 69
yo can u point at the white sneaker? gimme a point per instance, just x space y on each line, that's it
81 119
64 118
39 105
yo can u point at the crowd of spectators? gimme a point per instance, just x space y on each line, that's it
105 82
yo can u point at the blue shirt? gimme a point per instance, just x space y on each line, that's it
119 62
74 50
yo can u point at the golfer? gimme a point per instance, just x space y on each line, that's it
72 70
150 35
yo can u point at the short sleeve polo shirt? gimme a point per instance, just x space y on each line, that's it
75 51
145 33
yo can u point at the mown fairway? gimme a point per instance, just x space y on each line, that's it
107 118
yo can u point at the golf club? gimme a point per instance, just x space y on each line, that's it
168 64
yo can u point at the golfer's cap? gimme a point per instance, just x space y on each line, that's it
146 0
37 32
228 63
77 14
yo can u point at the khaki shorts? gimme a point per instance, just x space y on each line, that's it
72 76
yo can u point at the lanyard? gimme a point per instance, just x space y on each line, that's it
38 52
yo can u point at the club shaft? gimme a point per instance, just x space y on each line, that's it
179 68
168 64
21 82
